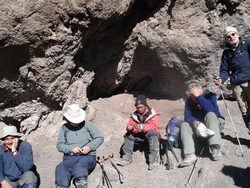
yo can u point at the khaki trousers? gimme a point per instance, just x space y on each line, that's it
242 95
189 136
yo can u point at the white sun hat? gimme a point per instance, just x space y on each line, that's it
10 130
75 114
229 29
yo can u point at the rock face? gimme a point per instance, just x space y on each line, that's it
57 52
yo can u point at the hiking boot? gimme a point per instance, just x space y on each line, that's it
81 182
124 162
153 166
189 159
216 154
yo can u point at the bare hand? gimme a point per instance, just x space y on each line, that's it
86 150
5 184
130 127
76 150
196 123
217 80
15 144
195 91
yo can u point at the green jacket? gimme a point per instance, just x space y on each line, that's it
86 133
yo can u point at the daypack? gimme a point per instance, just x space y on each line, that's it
173 131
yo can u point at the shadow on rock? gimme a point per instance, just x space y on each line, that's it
243 141
239 175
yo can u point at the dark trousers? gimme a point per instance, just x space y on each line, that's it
77 166
151 138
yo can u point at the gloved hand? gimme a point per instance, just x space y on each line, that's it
203 131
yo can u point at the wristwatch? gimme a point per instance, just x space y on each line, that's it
14 152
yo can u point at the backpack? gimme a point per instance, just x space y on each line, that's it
173 131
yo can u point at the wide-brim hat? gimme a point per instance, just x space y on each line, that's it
75 114
10 130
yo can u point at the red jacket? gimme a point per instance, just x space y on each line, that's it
150 120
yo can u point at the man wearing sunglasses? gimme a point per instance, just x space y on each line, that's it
235 64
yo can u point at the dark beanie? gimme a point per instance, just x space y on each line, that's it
141 99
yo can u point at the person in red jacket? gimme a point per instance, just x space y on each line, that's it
142 127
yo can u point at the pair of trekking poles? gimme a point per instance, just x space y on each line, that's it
196 162
105 178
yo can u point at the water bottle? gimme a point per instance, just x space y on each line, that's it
171 139
28 186
176 135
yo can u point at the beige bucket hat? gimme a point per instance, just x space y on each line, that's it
10 130
75 114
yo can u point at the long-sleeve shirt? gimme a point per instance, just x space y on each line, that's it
235 63
13 166
197 111
86 133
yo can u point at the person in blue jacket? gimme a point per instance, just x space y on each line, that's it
78 140
235 64
16 161
201 119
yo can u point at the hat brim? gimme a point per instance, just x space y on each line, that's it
76 120
16 135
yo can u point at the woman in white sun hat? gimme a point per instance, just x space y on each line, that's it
16 160
78 140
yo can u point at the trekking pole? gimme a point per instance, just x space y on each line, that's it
104 174
115 167
195 164
231 120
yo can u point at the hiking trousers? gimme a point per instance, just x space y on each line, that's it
151 138
27 178
242 95
75 166
189 136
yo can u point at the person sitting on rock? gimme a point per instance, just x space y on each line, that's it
16 160
78 140
143 126
203 119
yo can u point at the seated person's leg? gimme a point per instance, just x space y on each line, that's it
127 149
63 172
84 166
213 123
187 133
28 178
153 143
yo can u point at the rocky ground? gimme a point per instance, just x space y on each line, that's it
111 115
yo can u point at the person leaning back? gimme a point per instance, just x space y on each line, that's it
235 64
16 161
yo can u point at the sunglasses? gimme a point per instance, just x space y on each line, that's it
231 35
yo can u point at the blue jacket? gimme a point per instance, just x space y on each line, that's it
206 103
13 166
233 60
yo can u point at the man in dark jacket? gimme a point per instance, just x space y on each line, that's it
77 140
235 63
16 161
203 119
142 127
